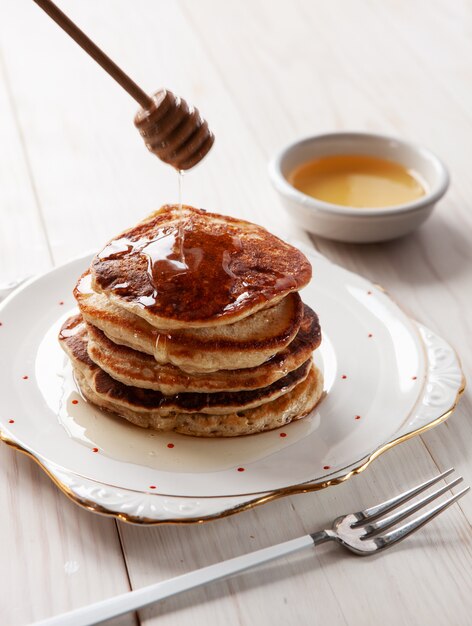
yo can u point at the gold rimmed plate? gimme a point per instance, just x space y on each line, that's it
386 379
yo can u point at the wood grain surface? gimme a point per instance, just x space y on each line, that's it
73 172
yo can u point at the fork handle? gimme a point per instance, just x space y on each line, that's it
132 600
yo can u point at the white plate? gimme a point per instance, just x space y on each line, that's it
386 378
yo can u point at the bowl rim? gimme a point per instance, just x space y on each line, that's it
288 190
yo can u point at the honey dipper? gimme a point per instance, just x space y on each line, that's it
171 129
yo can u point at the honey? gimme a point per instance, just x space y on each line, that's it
357 181
196 266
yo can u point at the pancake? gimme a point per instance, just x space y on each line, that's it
74 339
287 408
141 370
244 344
189 268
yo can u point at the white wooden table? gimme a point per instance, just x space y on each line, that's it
73 171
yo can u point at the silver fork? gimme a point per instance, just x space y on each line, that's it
362 533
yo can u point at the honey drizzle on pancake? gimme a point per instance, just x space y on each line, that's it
203 282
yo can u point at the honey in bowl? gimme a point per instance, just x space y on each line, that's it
357 181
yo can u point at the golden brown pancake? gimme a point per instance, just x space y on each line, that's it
74 339
244 344
287 408
215 270
141 370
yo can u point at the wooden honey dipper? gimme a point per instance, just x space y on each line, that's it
171 129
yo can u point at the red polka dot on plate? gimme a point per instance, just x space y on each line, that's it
240 469
75 402
170 445
11 421
358 417
369 293
61 302
370 335
1 323
413 377
152 486
25 377
326 467
283 435
94 449
344 376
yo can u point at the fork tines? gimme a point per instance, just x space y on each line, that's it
372 525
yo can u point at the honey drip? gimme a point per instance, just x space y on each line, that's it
181 216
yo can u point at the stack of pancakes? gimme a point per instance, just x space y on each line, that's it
191 321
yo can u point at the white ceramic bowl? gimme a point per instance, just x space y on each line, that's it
351 224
